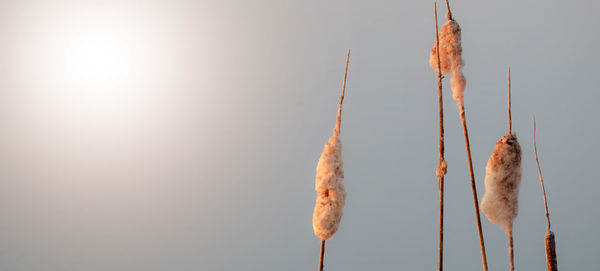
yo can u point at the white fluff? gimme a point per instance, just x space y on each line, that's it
450 58
502 179
330 190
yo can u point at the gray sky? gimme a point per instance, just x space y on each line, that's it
184 135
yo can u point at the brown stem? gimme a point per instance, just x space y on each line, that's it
441 170
322 255
441 222
338 122
549 238
473 188
509 115
511 253
449 14
540 173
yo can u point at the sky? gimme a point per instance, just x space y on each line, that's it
184 135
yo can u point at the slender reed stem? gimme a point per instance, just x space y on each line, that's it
511 253
509 115
473 188
472 175
549 237
540 172
322 255
461 108
441 170
338 122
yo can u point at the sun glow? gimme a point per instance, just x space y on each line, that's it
100 67
97 56
93 75
97 64
100 54
99 75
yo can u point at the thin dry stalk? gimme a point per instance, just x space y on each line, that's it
549 236
338 122
510 250
510 233
472 175
473 188
441 169
509 115
540 173
322 255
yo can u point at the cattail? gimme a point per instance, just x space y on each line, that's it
502 179
450 60
331 195
330 190
549 236
450 55
550 251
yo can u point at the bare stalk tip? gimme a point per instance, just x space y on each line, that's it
540 174
509 105
338 122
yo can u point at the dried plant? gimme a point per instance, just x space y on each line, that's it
442 166
549 236
502 179
449 51
331 195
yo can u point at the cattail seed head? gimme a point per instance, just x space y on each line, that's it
450 58
551 251
331 195
502 180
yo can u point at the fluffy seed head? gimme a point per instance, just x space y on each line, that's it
450 58
502 178
330 190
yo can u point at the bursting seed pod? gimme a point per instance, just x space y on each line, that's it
331 195
450 58
502 179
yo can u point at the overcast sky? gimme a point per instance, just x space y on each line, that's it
184 135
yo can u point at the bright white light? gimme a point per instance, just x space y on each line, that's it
98 74
96 57
91 74
99 56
